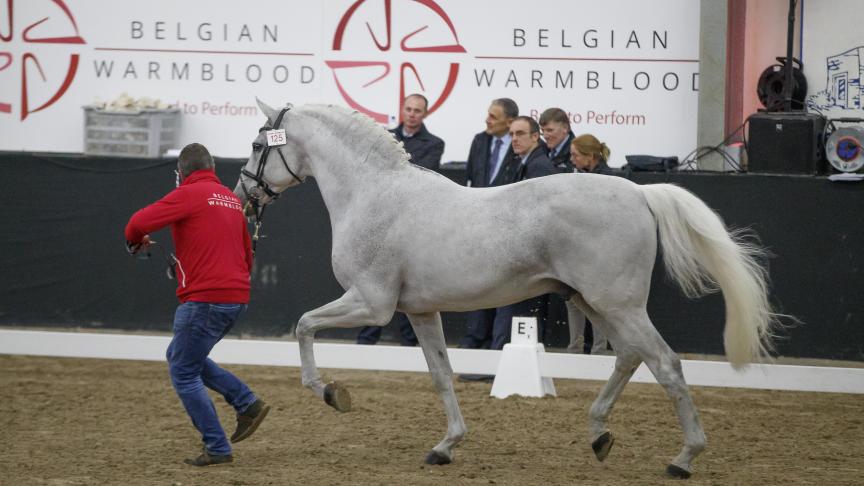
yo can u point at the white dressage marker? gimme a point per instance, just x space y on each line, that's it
519 368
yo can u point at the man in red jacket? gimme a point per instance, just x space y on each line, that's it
214 258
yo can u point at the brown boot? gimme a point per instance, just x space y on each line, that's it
248 421
206 459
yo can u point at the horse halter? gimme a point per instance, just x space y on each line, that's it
253 198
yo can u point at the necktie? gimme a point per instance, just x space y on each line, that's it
493 159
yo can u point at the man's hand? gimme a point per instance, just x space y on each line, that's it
144 244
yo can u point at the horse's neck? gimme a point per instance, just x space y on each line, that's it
339 161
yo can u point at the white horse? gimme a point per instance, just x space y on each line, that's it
408 239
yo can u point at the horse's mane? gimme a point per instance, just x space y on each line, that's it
345 121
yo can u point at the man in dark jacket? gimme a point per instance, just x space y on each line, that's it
531 160
425 150
557 135
214 258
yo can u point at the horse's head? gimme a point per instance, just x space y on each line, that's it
274 165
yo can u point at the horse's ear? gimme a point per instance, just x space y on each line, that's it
270 113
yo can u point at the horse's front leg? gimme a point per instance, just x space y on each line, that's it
350 310
625 365
430 334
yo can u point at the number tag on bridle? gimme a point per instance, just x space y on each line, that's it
276 137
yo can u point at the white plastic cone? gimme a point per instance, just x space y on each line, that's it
519 368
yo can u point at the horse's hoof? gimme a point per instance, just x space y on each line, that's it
437 459
337 396
602 445
677 472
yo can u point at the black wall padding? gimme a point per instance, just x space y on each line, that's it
63 261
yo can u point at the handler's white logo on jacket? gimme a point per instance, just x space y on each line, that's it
225 200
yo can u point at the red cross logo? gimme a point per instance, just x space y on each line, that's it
407 44
30 37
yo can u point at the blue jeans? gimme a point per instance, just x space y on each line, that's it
198 326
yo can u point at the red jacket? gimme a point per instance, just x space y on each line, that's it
214 251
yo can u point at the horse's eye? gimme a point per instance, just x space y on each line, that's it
256 147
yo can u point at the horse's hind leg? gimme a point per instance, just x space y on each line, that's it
626 363
632 331
430 334
350 310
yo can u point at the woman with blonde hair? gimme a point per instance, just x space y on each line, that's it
588 154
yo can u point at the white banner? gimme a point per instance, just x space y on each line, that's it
625 70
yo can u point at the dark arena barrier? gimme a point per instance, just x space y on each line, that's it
64 264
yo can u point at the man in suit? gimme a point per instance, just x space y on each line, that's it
491 150
530 161
558 136
425 150
555 127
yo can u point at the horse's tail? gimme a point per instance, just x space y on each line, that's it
701 254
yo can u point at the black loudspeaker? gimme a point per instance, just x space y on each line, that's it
786 143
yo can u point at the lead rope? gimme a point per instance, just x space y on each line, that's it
256 235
